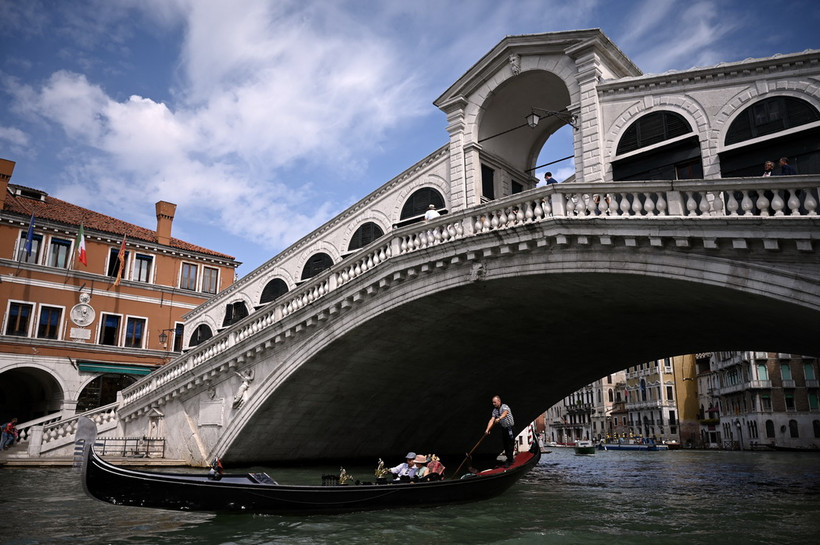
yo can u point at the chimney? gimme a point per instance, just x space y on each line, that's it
165 217
6 168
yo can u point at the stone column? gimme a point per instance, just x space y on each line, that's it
589 164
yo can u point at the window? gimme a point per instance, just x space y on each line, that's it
789 402
769 116
652 129
114 262
36 243
134 331
210 280
770 429
187 280
669 395
808 371
816 425
17 323
364 235
417 203
766 402
785 371
813 402
201 334
59 252
273 289
110 329
762 371
487 182
793 431
142 268
316 264
179 335
48 327
234 312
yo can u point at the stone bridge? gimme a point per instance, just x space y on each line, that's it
401 345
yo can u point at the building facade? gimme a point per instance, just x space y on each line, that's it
588 413
77 329
755 400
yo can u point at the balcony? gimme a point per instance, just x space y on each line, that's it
812 383
788 384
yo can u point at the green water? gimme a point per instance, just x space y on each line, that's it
610 497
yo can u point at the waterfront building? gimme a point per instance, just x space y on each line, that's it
77 329
759 399
587 413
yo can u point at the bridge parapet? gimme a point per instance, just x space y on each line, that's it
772 198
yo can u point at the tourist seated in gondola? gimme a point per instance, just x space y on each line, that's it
420 462
431 469
407 470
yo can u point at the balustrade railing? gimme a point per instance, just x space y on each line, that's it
764 197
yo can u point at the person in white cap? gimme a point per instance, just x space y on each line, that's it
406 469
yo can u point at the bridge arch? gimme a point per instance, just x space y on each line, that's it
557 320
29 391
274 288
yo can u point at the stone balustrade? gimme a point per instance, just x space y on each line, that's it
775 197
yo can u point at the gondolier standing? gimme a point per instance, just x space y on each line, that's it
502 415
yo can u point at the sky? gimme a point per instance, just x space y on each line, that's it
263 119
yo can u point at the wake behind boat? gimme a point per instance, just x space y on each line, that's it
258 493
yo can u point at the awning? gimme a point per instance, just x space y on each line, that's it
116 368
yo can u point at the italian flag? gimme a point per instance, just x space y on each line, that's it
81 246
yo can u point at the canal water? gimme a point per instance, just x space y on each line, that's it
608 498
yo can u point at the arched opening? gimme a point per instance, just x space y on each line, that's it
316 264
671 151
513 149
772 126
364 235
28 393
416 204
201 334
273 290
102 391
234 312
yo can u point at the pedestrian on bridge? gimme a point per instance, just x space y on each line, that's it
9 434
502 415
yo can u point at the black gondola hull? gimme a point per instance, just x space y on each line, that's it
240 494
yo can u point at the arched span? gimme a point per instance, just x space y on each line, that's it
553 317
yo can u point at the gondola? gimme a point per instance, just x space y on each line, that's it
257 493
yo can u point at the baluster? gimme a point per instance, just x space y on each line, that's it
661 205
810 203
570 207
691 204
704 206
437 235
417 240
732 205
794 202
636 204
626 206
370 263
519 215
529 215
649 204
614 204
546 208
762 203
503 219
746 203
494 221
778 204
603 204
403 245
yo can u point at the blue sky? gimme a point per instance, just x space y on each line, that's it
263 119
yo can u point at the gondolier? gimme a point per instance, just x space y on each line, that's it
502 415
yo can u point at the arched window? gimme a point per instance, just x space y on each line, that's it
364 235
417 203
793 432
234 312
201 334
774 128
652 129
316 264
675 161
273 289
770 429
769 116
816 425
609 393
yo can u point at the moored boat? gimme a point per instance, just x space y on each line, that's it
258 493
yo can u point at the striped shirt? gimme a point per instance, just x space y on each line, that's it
507 421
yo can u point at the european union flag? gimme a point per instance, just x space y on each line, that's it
30 236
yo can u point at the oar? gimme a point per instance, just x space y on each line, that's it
469 455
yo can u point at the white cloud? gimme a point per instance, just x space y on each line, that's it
13 136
